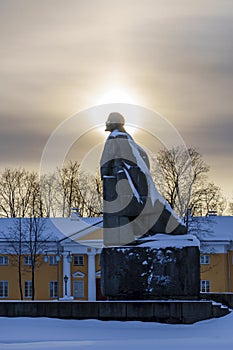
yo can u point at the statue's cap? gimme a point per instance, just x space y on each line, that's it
115 118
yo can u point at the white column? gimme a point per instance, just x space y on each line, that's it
66 271
91 276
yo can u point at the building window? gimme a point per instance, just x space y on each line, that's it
28 260
205 259
53 291
79 260
28 289
205 286
79 289
52 260
3 260
3 289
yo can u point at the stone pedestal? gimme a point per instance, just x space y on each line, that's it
162 266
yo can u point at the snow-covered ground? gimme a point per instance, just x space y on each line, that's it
45 333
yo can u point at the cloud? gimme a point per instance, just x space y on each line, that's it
56 57
216 136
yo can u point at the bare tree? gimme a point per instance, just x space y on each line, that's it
19 193
230 205
177 171
36 241
14 239
181 177
49 195
206 197
90 195
79 190
68 184
23 194
26 237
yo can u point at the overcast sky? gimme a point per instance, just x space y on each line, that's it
172 56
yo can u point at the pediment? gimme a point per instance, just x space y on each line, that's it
98 273
78 274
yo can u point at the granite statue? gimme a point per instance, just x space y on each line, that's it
147 252
133 207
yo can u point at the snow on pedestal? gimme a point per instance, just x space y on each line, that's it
159 266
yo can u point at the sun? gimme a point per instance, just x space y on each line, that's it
117 95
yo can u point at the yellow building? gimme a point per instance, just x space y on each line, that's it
216 236
64 253
65 265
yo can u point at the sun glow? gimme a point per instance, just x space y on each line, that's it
129 128
117 95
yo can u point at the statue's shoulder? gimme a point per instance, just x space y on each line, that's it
119 135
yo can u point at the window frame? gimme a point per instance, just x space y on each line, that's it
4 287
79 295
53 289
27 260
205 259
4 260
77 258
205 286
52 260
28 289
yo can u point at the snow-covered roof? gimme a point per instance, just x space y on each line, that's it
207 229
212 228
53 229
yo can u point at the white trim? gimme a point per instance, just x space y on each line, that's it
91 275
78 274
98 273
66 272
214 247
